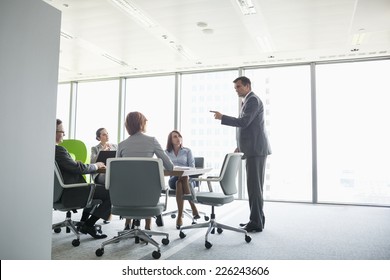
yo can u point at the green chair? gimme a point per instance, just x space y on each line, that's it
76 148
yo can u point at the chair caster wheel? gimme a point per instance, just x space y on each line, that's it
156 254
99 252
165 241
76 242
208 245
57 230
182 235
219 230
206 218
248 238
173 216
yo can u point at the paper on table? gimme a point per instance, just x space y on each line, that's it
181 168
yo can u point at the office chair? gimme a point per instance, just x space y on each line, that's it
81 197
199 163
135 186
227 181
76 148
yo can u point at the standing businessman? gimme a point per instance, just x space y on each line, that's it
253 142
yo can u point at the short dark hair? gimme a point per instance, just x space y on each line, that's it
59 122
98 133
244 80
169 142
135 122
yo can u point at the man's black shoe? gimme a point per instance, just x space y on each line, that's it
159 221
243 224
91 230
251 228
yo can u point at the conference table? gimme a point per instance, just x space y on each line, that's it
177 171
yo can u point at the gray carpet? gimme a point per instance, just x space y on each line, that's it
293 232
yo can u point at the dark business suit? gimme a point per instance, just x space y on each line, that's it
72 172
253 142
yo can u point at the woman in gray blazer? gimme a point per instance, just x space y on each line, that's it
104 144
140 145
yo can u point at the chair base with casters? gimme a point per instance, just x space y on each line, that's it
186 212
227 182
138 234
72 225
211 226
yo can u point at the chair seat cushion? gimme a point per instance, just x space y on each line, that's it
138 212
211 198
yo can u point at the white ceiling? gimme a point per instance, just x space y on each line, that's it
99 40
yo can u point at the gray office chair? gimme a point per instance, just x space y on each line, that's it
227 181
80 197
135 186
199 163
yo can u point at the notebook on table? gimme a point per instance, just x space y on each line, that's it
104 155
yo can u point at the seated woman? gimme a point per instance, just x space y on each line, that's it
140 145
180 156
104 145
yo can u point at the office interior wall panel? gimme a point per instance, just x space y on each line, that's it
29 54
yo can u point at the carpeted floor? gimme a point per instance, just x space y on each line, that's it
293 231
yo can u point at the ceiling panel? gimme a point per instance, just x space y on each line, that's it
100 40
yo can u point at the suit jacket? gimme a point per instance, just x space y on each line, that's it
141 145
252 139
72 170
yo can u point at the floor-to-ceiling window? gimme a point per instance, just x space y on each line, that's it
155 98
285 92
201 93
352 118
353 132
97 106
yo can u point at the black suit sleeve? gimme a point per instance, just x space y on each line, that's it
72 170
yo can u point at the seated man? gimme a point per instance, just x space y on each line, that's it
72 171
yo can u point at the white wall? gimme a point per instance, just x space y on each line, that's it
29 54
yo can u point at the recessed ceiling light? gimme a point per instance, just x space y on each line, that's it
201 24
246 7
128 7
208 31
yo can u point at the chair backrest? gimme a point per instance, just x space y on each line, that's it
199 162
58 183
76 148
229 172
135 181
70 196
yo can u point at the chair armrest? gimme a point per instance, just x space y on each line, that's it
209 179
90 196
166 192
80 185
